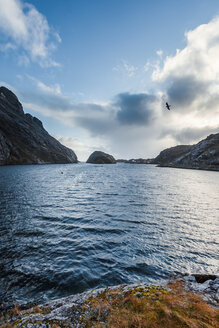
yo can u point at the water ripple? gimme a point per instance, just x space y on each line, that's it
95 226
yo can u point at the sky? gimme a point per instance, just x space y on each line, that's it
98 73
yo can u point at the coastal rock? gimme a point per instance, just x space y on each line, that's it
23 139
99 157
201 278
76 311
206 285
204 155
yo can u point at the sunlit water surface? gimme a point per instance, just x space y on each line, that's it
67 228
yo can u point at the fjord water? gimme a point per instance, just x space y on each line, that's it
67 228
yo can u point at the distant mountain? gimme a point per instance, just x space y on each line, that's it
204 155
23 139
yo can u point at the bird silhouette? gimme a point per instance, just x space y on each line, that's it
168 106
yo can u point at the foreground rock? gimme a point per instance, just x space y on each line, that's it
137 305
204 155
99 157
205 285
23 139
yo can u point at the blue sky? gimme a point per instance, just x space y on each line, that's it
98 73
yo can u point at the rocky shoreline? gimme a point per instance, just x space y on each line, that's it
205 285
202 156
72 311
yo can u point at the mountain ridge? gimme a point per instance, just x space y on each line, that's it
204 155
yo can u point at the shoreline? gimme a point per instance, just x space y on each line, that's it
73 311
140 164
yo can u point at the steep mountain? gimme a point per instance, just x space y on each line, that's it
23 139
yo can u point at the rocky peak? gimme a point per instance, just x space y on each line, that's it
23 139
9 101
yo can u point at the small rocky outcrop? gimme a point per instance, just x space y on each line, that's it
204 155
99 157
23 139
205 284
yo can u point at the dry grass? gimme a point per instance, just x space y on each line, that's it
138 307
150 308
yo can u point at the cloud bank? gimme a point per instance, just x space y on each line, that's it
192 74
27 31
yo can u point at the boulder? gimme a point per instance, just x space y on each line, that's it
201 278
23 139
99 157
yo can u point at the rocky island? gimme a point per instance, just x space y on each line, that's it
23 139
99 157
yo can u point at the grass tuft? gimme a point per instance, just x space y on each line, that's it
149 307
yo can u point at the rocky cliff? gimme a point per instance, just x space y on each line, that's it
23 139
204 155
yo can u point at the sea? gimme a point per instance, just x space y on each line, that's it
65 229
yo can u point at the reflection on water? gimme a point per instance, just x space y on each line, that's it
102 225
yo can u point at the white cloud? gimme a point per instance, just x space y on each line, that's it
7 46
28 30
126 68
55 89
199 58
191 81
159 53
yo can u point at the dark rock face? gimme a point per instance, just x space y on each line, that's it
23 139
204 155
99 157
201 278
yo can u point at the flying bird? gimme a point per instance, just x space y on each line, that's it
168 106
